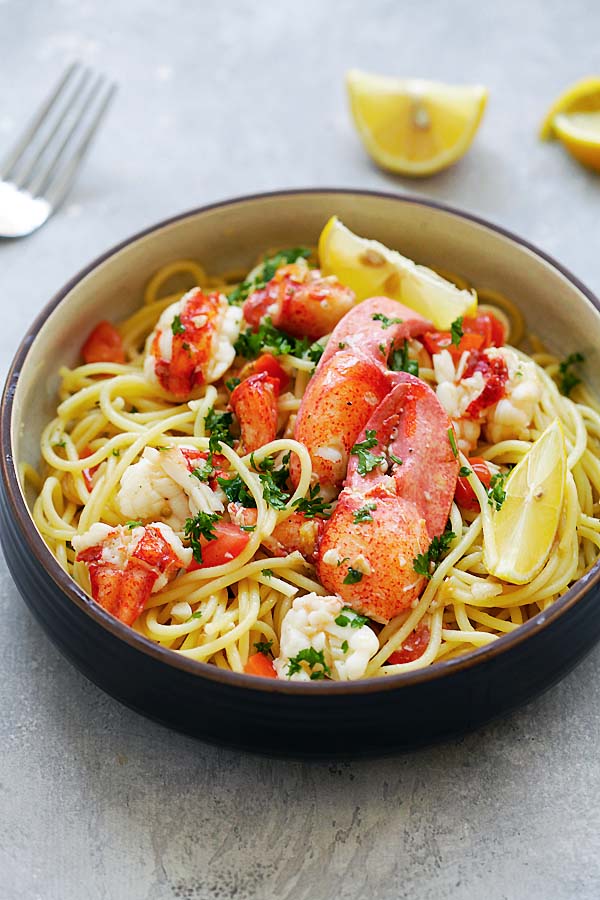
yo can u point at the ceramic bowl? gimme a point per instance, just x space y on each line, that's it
324 718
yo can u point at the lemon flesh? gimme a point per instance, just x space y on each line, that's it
519 538
583 96
371 269
580 134
412 126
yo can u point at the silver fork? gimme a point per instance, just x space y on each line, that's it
38 172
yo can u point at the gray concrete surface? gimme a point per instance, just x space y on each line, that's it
218 99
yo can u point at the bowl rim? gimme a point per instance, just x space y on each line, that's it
74 593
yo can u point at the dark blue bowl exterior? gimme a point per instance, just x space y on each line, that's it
313 724
327 719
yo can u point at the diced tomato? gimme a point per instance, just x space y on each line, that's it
266 362
487 325
103 345
88 474
495 376
260 664
229 542
436 341
413 647
464 494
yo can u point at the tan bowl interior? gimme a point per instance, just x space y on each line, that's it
232 235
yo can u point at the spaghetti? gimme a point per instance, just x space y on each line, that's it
110 414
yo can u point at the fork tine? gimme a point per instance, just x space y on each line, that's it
38 120
23 177
57 191
41 179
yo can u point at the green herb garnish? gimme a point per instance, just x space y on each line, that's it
218 423
176 326
456 331
264 647
313 505
133 523
385 320
344 646
364 513
396 459
496 492
206 472
268 573
196 615
349 617
400 362
464 472
367 461
267 271
201 525
353 576
232 383
452 440
236 491
426 563
568 379
312 658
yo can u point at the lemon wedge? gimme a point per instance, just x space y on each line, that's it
583 96
371 269
580 134
520 534
412 126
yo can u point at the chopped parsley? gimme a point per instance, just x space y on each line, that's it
385 320
395 459
349 617
274 496
201 525
176 326
232 383
196 615
452 440
236 491
219 424
116 452
62 443
251 344
314 504
364 513
264 647
133 523
267 271
341 345
456 331
353 576
496 492
268 573
205 473
367 461
464 472
426 563
312 658
273 480
567 378
345 647
400 362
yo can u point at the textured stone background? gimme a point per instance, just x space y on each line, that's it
218 99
